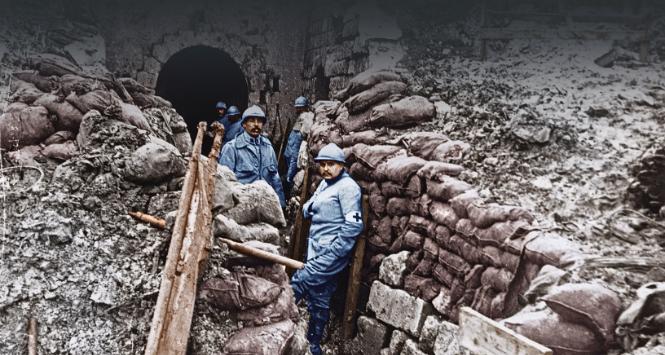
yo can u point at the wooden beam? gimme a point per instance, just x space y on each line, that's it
355 276
262 254
162 316
301 227
482 336
32 336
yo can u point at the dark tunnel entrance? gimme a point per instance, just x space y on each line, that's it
195 78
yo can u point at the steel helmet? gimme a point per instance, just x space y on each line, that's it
331 152
233 111
221 105
254 111
301 101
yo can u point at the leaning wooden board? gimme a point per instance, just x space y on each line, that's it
479 335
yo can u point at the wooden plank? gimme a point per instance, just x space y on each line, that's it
32 336
301 226
355 277
170 268
482 336
261 254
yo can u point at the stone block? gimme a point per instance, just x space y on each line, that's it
411 348
447 341
429 333
393 269
372 335
398 309
397 342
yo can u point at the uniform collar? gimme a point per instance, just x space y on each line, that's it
245 139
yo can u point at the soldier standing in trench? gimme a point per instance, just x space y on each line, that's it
335 211
298 133
250 155
232 124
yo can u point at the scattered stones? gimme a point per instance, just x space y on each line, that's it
393 269
398 308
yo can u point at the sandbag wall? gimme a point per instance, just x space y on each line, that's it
430 233
48 102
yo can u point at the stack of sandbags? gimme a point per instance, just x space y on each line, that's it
648 187
55 95
581 319
262 299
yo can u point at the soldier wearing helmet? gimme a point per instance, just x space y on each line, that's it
232 124
336 221
298 134
250 155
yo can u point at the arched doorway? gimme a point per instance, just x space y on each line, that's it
195 78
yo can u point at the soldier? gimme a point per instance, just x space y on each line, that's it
335 212
299 132
251 156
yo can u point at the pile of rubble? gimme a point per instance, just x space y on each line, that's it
82 150
648 188
434 245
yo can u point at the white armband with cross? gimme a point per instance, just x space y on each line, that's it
354 217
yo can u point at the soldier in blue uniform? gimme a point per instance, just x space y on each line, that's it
335 212
232 124
251 156
295 139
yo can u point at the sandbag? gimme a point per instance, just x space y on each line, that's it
282 308
372 156
133 115
451 151
377 202
413 259
365 99
454 263
399 169
239 291
548 329
500 259
465 228
98 100
154 162
438 171
372 137
349 123
69 117
413 240
146 100
498 233
422 287
405 112
419 224
461 202
366 80
61 151
422 144
51 64
272 339
591 305
391 189
59 137
447 189
26 156
431 249
70 83
473 278
42 83
26 93
360 171
398 206
552 249
442 235
15 107
441 274
256 202
424 267
497 308
484 216
499 279
26 127
227 228
399 224
442 213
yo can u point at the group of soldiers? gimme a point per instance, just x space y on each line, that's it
334 208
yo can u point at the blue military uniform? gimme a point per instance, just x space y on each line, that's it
291 156
335 212
232 128
253 159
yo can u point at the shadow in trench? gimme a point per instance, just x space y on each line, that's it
195 78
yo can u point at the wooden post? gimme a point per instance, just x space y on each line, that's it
355 277
301 227
162 315
32 336
483 336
